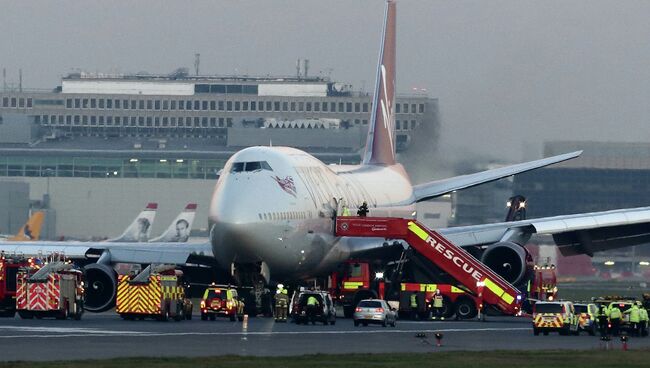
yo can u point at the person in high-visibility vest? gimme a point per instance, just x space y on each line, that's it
414 306
281 302
438 305
635 319
312 307
644 320
602 320
615 318
346 211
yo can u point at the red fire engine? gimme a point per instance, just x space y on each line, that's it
9 266
544 285
55 290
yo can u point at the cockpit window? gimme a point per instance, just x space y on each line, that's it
250 166
253 166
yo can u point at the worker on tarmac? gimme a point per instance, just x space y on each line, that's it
644 320
281 304
312 307
363 209
602 320
414 306
345 210
438 305
635 319
615 319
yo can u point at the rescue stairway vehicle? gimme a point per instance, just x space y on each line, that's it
475 276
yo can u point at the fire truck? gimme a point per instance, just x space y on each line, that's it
544 285
9 266
157 292
54 290
479 284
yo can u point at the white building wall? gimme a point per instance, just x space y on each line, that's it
105 207
127 88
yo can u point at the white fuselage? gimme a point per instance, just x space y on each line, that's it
280 209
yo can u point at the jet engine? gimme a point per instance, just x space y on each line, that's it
510 260
101 287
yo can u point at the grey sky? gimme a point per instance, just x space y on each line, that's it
505 71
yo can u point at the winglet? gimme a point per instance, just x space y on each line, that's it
190 207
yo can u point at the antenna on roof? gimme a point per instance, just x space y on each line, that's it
4 79
197 62
20 80
306 66
298 68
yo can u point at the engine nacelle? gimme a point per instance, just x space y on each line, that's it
509 260
101 289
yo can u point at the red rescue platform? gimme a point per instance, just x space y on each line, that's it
459 264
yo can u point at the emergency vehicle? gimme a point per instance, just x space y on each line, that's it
9 266
221 300
587 317
455 300
458 264
543 286
157 292
54 290
557 316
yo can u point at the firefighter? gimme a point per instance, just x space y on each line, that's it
438 305
281 303
644 320
602 320
635 319
414 306
312 305
615 318
363 209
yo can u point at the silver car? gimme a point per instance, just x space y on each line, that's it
374 311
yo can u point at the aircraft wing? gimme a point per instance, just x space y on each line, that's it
437 188
177 253
574 234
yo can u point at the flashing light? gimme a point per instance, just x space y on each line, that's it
518 296
280 286
522 205
480 283
379 275
644 263
609 263
357 309
163 160
508 204
180 160
550 298
133 160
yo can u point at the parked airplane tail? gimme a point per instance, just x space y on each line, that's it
140 228
179 230
32 228
380 143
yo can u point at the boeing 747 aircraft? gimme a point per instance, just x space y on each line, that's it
272 212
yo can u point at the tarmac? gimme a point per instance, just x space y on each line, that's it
105 335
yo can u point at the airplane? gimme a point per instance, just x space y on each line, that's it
30 231
271 215
140 229
179 230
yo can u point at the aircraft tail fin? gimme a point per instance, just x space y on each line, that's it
140 229
380 143
32 228
179 230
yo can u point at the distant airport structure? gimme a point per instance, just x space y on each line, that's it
85 142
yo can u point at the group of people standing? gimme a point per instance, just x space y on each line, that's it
610 316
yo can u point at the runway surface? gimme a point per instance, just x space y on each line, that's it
105 335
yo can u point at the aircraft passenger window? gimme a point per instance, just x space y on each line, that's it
237 167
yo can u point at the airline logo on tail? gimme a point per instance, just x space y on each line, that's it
32 229
380 144
179 230
140 228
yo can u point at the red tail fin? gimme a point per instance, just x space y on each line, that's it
380 144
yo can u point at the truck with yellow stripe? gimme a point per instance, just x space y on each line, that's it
157 292
557 316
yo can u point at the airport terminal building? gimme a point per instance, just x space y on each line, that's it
102 146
